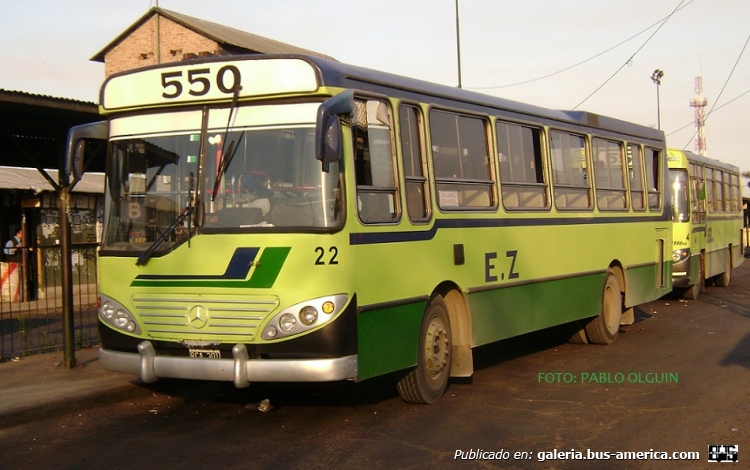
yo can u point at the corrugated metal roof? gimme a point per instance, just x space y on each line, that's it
30 178
24 98
219 33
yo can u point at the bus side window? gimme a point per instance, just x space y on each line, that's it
699 193
570 176
608 174
412 154
653 177
710 194
635 172
373 162
461 161
521 168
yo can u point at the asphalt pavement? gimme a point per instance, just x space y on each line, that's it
39 385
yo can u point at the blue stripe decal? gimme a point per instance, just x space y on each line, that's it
423 235
237 268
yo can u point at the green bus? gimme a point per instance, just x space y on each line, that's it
291 218
708 220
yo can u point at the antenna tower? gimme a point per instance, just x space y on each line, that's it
699 102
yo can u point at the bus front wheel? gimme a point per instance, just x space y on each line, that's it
604 328
427 381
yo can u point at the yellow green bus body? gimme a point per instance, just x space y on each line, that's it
707 231
209 304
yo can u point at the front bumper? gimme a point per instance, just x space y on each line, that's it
241 369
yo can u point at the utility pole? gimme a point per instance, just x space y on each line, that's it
458 46
656 77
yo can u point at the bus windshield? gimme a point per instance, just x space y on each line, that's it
259 172
678 180
262 173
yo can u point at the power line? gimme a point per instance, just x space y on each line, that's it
40 58
583 61
631 57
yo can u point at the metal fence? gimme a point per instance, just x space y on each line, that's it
31 301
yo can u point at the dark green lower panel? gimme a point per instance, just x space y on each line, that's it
388 339
503 313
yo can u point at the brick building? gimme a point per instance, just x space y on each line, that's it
162 36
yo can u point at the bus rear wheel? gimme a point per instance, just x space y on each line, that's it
604 328
427 381
722 280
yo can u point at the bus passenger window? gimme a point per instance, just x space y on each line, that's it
521 168
373 162
635 173
608 175
460 154
412 154
569 171
653 177
710 190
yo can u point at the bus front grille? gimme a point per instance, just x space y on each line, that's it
200 317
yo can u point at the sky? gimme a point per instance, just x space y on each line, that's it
591 55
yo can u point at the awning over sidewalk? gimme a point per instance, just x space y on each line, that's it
32 179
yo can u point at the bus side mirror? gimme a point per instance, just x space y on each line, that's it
328 127
76 147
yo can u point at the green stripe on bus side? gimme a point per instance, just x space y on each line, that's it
266 271
388 339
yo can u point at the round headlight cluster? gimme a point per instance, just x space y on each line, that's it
115 315
301 317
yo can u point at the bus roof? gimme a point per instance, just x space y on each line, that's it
694 157
331 73
350 76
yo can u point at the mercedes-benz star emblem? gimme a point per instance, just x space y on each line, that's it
198 316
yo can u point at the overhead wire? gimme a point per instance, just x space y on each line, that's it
586 60
40 58
726 82
630 60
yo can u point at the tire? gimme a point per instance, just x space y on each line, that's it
579 337
426 382
604 328
694 291
722 280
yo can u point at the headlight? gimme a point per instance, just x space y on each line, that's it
287 322
117 316
680 255
308 315
108 311
304 316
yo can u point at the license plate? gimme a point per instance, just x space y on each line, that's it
205 353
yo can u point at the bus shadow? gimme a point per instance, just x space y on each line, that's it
368 392
281 394
739 355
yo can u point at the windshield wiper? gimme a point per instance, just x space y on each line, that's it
224 163
186 212
226 157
